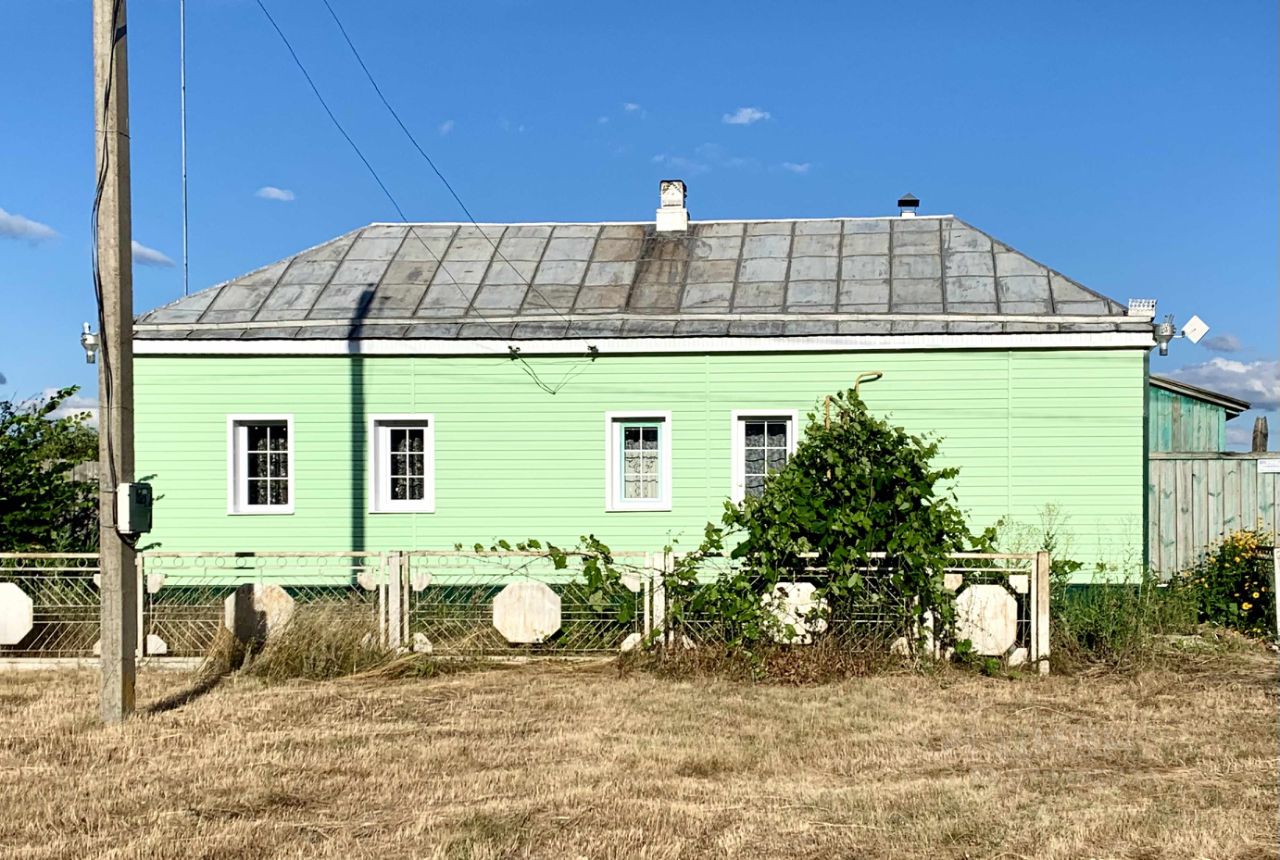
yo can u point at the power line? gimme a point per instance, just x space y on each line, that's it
387 192
453 193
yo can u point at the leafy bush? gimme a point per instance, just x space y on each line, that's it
856 485
1232 585
41 509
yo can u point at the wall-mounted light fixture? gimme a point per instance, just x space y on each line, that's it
89 341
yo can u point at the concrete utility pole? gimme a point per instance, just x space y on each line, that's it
115 368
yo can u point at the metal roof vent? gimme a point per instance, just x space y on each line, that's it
673 217
907 205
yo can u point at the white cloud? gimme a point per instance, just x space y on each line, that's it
446 127
1255 381
144 256
745 116
632 107
14 226
270 192
686 165
1223 343
73 405
603 120
1240 432
796 167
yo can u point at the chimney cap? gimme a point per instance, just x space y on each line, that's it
672 192
672 216
908 201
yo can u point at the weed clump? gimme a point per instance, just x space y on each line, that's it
319 643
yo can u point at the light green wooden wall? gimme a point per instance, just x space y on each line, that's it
1027 428
1180 423
1197 498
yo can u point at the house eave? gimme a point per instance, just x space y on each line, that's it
643 345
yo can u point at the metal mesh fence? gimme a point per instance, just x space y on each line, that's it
455 602
51 604
863 609
186 594
512 602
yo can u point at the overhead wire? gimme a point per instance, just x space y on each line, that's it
439 174
525 366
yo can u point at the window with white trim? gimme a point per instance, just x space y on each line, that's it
638 476
762 444
260 468
402 464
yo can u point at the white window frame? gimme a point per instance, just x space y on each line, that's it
378 441
738 441
613 422
238 464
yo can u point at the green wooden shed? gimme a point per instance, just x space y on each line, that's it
1182 417
412 386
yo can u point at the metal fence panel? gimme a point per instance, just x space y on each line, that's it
464 603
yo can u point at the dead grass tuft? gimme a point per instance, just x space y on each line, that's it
318 643
824 662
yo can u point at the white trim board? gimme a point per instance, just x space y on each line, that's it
649 345
237 460
737 444
613 501
376 447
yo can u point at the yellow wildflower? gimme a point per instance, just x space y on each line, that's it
1246 606
1256 595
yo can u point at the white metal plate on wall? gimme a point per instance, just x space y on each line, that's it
17 613
526 612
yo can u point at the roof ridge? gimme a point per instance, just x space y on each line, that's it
286 259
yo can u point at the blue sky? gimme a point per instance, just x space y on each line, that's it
1132 146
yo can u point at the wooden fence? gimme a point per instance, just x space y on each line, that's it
1194 498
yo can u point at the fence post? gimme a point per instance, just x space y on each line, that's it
659 593
393 583
1041 643
142 598
1275 583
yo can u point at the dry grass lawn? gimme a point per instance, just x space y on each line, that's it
574 760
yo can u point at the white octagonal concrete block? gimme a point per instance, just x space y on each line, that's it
987 615
255 612
155 645
792 604
421 644
526 612
17 613
632 642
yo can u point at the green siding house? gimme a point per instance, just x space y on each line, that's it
415 386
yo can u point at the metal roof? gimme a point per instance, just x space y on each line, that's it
922 275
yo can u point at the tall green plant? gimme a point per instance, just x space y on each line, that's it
41 508
857 485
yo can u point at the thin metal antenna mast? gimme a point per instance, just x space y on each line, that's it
182 62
